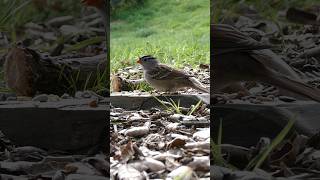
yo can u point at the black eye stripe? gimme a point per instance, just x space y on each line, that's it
145 58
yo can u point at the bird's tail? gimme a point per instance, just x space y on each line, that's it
295 86
198 85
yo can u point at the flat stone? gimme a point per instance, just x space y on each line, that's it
135 101
85 177
244 124
68 124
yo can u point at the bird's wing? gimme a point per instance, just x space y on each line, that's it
293 85
163 72
273 61
226 38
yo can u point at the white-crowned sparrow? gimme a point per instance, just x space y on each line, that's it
167 79
101 7
238 57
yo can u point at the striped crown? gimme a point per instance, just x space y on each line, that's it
146 58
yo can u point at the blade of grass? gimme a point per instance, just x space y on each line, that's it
216 148
161 102
87 81
257 161
85 43
12 11
217 151
195 108
175 106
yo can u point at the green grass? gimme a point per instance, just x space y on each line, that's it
176 32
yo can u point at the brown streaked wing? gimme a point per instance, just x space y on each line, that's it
226 38
164 72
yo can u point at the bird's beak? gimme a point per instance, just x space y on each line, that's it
139 61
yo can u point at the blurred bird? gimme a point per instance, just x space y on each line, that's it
237 57
167 79
100 6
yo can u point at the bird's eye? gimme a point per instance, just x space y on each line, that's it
144 60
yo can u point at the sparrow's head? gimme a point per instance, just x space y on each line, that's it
148 62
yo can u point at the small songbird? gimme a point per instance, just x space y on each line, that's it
100 6
167 79
238 57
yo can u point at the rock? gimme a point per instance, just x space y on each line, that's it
59 175
10 177
82 168
68 124
49 36
34 26
27 153
86 94
36 34
95 22
5 96
220 173
181 117
4 42
53 98
41 98
66 96
59 21
2 97
98 31
202 134
91 17
11 98
182 172
69 30
78 94
287 99
23 98
95 95
255 121
137 131
126 171
134 101
201 163
154 165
